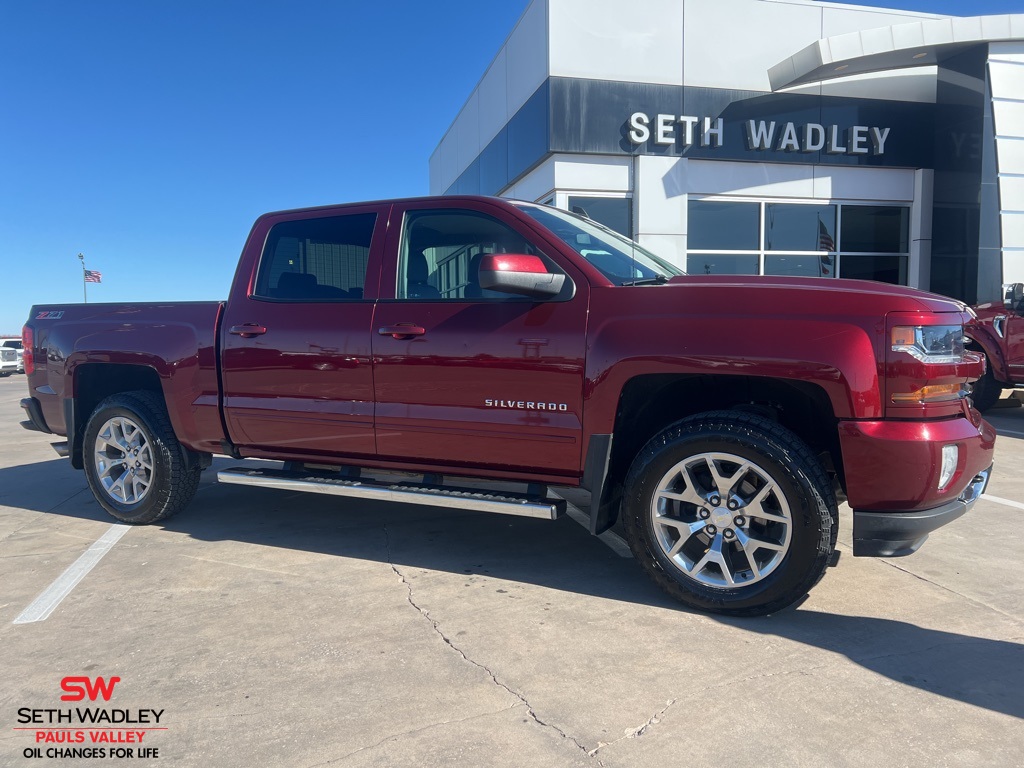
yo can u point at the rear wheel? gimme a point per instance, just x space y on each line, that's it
730 512
134 464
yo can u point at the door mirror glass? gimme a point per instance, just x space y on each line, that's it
520 274
1013 297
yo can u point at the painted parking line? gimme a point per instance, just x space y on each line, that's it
41 608
1000 500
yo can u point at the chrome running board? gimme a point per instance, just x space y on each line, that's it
452 497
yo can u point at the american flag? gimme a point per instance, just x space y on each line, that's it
825 241
92 276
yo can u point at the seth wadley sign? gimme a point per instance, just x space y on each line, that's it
761 134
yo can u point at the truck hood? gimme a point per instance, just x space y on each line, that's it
986 312
801 295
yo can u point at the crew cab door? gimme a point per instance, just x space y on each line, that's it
297 375
467 376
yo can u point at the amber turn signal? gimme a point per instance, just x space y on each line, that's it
932 393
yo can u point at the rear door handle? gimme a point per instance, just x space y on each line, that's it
402 331
248 330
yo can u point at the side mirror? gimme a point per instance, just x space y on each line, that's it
519 274
1013 297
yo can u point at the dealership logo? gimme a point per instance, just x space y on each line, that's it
79 687
761 135
84 732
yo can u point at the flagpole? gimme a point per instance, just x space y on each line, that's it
85 293
820 266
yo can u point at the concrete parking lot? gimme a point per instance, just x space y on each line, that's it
283 629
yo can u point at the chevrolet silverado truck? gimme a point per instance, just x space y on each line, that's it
998 334
478 353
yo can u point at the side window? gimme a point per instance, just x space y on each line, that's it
441 253
316 259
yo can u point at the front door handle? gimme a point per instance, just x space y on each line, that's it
248 330
402 331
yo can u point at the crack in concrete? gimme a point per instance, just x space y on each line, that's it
952 591
861 661
447 641
240 565
411 732
634 733
38 518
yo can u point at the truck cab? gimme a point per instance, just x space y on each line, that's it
998 333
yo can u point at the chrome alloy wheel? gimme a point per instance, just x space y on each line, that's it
124 460
722 520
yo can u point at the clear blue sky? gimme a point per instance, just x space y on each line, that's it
148 134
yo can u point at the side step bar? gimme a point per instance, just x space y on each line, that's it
453 497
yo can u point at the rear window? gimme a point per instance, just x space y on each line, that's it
12 343
321 259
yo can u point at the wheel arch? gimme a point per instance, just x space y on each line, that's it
95 382
979 340
649 403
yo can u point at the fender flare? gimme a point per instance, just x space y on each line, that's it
982 339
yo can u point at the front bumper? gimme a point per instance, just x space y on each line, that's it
891 465
894 534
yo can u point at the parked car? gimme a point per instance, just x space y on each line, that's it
998 334
11 357
721 418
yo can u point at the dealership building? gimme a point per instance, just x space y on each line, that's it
779 137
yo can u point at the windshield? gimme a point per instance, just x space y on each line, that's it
618 258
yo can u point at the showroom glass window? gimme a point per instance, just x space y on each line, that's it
616 213
869 242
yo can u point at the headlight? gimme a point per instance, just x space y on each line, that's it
930 343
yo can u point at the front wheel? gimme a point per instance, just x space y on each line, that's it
730 513
986 391
134 464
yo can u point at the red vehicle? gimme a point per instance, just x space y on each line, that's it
998 334
719 417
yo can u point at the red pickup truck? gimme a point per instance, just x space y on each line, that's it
998 334
718 417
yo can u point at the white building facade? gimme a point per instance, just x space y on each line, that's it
763 136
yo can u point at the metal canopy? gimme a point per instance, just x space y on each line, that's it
919 43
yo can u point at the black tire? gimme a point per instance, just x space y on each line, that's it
5 374
172 482
791 476
986 391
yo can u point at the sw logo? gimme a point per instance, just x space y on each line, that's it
79 687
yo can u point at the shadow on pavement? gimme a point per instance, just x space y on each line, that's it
975 670
558 555
49 486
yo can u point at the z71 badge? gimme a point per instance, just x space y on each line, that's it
51 315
